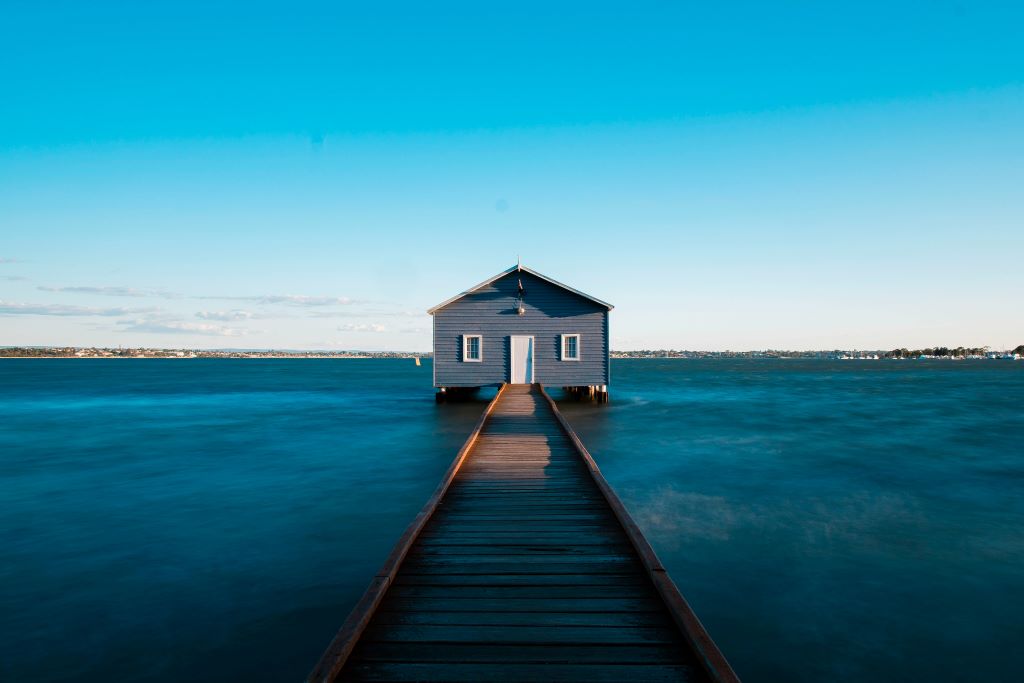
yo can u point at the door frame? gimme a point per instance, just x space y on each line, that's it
512 358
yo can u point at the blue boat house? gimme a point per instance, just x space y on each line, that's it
522 327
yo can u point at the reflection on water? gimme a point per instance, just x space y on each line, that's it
215 519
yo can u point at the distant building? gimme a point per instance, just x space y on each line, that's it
521 327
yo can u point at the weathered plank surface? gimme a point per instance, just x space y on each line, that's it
524 569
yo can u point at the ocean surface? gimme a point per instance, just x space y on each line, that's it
212 520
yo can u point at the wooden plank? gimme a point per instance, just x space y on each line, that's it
540 473
510 475
508 604
520 541
539 517
515 496
455 518
519 486
541 565
510 531
564 579
524 547
506 534
398 591
481 549
536 506
503 461
515 671
510 535
510 479
515 512
526 654
602 530
600 553
524 498
544 468
528 502
512 485
512 528
654 618
530 562
499 523
503 458
521 634
510 511
534 478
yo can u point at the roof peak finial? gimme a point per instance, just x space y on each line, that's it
519 263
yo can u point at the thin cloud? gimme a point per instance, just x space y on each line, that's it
293 300
11 308
14 278
339 314
226 316
158 326
283 299
9 260
113 291
289 299
363 327
366 314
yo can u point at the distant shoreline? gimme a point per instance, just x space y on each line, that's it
185 354
231 357
941 353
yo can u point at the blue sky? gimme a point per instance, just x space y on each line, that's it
308 176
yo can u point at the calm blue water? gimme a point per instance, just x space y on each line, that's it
216 519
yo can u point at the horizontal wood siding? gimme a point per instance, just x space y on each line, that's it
550 312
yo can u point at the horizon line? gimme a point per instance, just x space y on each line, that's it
236 349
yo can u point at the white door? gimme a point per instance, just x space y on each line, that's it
522 360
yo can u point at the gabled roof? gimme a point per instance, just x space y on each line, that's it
513 269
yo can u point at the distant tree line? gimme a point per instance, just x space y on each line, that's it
36 352
941 352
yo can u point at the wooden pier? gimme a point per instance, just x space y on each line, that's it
523 566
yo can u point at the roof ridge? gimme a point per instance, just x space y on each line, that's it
519 267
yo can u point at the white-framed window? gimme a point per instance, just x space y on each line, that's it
472 348
570 347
